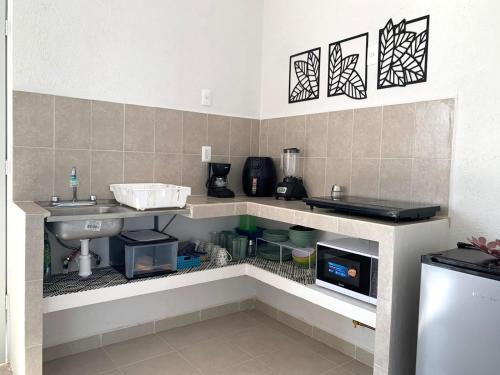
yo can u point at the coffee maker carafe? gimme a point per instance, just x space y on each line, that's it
217 180
292 186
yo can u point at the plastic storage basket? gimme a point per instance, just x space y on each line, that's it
188 261
146 196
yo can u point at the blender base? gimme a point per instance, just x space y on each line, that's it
291 188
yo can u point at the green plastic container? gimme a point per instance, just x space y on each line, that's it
301 236
248 223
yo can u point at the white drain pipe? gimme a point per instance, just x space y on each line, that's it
85 269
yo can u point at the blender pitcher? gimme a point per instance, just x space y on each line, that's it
292 186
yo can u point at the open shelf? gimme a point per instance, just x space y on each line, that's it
64 292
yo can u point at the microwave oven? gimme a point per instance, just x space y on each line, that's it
348 266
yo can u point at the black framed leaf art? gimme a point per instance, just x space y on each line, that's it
402 53
303 83
348 67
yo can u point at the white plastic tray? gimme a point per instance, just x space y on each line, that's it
147 196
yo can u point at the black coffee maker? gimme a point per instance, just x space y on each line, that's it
217 180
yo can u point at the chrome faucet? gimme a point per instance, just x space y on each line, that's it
73 183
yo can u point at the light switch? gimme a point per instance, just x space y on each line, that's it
372 55
206 97
206 154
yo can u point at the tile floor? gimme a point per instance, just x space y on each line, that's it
244 343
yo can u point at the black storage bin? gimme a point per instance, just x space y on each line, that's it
143 253
259 177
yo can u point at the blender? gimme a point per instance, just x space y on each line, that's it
292 186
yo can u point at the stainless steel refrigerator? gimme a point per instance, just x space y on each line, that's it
459 317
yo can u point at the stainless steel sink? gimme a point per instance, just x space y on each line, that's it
76 223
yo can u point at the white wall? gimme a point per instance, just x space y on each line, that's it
150 52
463 63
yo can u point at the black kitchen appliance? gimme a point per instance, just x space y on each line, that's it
378 208
217 180
292 186
259 177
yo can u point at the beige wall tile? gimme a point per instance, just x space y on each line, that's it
316 135
295 132
241 131
72 123
64 161
194 174
168 168
139 128
264 129
177 321
340 126
235 183
367 132
395 179
70 348
398 131
127 333
34 360
276 137
314 176
431 181
254 143
338 172
195 126
433 129
33 173
33 116
34 243
219 128
365 177
34 313
106 168
316 221
214 312
334 342
107 126
247 304
295 323
364 356
168 131
139 167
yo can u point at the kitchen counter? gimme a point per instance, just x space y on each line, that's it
400 248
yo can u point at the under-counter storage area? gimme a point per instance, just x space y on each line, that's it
282 284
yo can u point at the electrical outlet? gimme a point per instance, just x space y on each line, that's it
206 153
206 97
372 55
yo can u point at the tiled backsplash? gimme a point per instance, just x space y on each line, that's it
400 152
114 143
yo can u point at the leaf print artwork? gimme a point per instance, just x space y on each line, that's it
347 75
402 57
304 72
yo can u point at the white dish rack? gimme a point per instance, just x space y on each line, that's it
146 196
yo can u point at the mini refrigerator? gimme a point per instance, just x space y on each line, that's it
459 317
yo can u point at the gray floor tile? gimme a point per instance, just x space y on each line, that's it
252 367
167 364
358 368
85 363
214 355
260 340
128 352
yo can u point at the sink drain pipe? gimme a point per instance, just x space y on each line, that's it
85 269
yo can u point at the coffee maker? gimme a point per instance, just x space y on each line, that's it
292 186
217 180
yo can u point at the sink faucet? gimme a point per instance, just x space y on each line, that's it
73 183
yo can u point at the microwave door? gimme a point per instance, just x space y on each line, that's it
344 269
